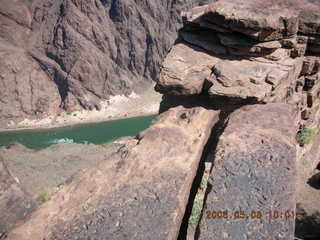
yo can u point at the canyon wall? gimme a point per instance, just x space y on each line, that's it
71 54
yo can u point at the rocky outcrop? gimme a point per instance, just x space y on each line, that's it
141 191
228 49
251 193
71 54
233 53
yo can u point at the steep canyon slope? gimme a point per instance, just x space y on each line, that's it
71 54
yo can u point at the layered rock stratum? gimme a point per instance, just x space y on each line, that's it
73 54
241 95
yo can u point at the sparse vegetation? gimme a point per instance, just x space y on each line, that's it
198 203
204 182
305 136
44 197
196 212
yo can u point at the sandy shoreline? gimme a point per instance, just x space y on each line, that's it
116 108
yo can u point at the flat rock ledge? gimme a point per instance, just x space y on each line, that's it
140 192
254 173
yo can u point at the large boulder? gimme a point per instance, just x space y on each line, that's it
260 20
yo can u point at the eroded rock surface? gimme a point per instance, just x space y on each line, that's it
240 52
15 204
138 193
254 171
71 54
42 172
29 177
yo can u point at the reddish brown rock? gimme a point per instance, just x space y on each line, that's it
271 22
309 22
205 40
185 70
15 19
99 49
191 70
263 81
311 65
251 55
15 204
314 44
141 191
254 173
24 88
241 46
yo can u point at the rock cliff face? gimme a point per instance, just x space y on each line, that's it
71 54
258 52
241 95
239 53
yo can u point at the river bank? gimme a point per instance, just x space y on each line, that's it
116 108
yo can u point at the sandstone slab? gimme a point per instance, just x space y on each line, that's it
254 173
241 46
271 22
253 79
189 70
140 192
206 40
185 70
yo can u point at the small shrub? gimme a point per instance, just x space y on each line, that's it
196 212
44 197
204 183
305 136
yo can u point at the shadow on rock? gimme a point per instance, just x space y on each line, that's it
307 226
227 104
314 181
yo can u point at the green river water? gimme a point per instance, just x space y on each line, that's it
96 133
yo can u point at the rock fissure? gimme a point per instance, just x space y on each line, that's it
208 149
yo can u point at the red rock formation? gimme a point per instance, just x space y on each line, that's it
229 53
73 53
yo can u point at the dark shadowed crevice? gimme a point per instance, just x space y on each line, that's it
307 226
60 81
210 147
226 106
